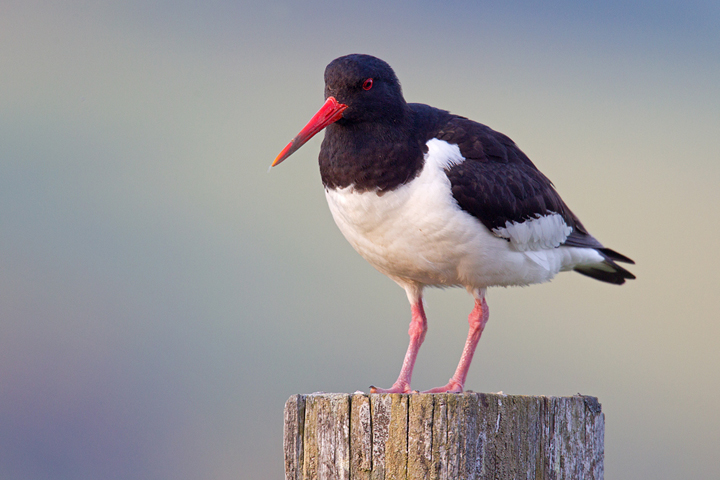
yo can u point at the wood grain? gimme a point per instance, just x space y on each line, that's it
442 436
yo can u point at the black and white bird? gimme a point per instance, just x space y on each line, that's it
434 199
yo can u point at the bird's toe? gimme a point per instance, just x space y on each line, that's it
451 387
393 389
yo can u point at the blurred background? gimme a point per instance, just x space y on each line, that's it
162 294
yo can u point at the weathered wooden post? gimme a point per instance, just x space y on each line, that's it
338 436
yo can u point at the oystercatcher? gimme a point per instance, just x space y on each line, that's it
435 199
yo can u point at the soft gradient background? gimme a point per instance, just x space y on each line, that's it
162 295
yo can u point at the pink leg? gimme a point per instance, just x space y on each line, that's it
418 328
477 320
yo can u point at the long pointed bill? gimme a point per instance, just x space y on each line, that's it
329 113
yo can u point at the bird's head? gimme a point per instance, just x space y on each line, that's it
358 89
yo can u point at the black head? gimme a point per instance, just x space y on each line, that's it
368 86
361 93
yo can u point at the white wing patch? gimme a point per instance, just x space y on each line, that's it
443 154
540 233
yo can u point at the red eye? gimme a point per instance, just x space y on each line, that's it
367 84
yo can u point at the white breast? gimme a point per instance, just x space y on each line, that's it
417 233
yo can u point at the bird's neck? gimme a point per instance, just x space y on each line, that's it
370 156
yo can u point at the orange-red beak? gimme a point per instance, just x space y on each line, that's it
329 113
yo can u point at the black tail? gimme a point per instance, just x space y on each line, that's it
608 271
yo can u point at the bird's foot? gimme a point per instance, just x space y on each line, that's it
396 388
453 386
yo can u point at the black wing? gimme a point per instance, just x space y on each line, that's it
497 183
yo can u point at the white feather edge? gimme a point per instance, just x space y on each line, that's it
540 233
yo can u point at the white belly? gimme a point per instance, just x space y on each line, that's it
417 234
